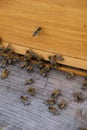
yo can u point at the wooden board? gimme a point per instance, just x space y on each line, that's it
15 116
64 28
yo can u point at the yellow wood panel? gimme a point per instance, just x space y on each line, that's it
64 27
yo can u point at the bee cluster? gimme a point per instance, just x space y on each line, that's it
52 104
31 91
9 57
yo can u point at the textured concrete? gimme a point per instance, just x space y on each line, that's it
15 116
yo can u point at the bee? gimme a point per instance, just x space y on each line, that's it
85 82
4 74
40 64
31 91
59 57
39 57
82 129
53 110
10 60
29 69
38 30
62 104
29 81
47 67
8 49
43 72
50 102
29 54
24 99
70 75
56 93
78 97
52 60
24 64
4 63
16 58
84 87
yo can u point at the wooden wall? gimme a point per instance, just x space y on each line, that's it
63 22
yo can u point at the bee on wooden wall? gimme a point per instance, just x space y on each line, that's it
50 102
53 110
37 31
31 91
8 49
16 58
29 55
78 97
29 81
10 60
4 63
24 64
84 85
70 75
59 57
40 64
30 68
5 73
56 93
47 67
62 104
39 57
52 60
43 72
24 99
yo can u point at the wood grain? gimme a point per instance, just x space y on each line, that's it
15 116
64 27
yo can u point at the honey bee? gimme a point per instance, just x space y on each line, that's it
43 72
4 74
84 87
49 102
53 110
29 54
59 57
8 49
55 93
52 60
4 63
24 99
16 58
70 75
40 64
38 30
31 91
29 69
62 104
10 60
47 67
29 81
39 57
78 97
24 64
